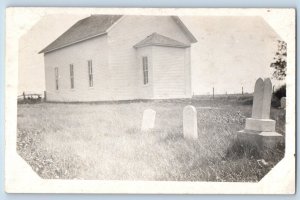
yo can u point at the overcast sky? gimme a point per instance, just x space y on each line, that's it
231 52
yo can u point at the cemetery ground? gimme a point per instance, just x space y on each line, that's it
104 141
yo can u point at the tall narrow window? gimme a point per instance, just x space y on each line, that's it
56 77
90 65
72 76
145 70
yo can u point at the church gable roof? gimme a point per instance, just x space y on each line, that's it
86 28
156 39
97 25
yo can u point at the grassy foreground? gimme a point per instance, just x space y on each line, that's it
104 141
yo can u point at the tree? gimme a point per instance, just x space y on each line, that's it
279 63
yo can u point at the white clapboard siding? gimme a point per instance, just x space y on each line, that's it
169 69
124 60
78 54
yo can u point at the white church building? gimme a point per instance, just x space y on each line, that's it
112 57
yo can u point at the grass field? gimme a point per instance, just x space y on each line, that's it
104 141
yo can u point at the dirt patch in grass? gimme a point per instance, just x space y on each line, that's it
104 141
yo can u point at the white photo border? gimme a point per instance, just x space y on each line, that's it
280 180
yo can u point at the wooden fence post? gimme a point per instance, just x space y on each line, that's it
45 96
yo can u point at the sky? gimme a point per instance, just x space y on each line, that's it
231 52
31 63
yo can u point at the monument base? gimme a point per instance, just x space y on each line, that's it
262 139
262 125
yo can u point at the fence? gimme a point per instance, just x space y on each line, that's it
30 98
213 93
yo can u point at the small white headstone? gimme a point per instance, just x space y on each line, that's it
283 102
148 119
190 129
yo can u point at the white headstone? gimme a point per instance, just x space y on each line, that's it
260 129
283 102
190 129
262 99
148 119
260 120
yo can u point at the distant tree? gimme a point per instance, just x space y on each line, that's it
279 63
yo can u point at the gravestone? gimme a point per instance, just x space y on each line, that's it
283 102
190 129
148 119
260 120
262 99
260 128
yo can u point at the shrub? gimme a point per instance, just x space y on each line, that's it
275 102
280 92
